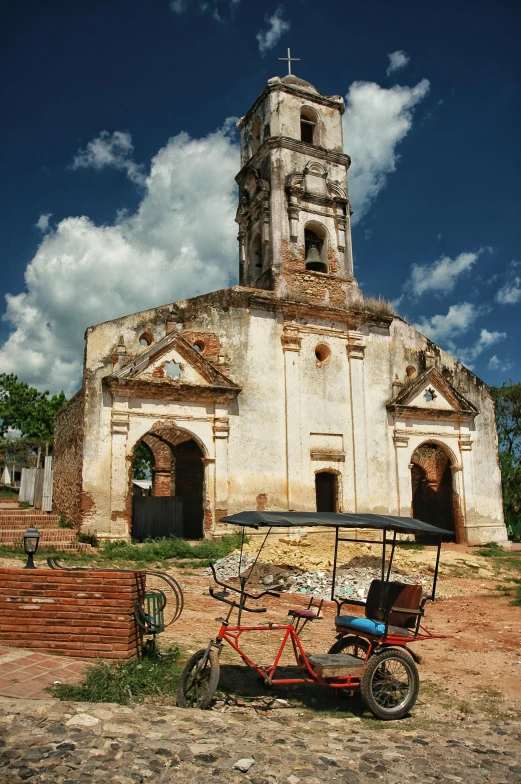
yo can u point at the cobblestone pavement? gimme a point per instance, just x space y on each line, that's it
71 743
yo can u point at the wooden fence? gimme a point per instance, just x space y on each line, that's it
36 486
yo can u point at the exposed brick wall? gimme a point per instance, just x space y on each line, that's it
87 614
210 343
434 498
309 286
68 459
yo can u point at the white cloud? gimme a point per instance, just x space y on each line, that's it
458 320
115 150
441 275
212 7
510 293
270 37
180 242
397 60
485 341
43 222
375 121
495 363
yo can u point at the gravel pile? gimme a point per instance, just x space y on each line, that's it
351 580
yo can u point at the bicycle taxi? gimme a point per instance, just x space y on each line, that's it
371 655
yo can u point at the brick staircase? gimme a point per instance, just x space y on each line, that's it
14 522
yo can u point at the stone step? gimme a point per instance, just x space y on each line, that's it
12 525
11 536
20 522
25 513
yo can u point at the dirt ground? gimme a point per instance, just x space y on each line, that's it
473 670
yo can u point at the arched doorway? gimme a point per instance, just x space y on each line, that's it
326 491
176 503
434 500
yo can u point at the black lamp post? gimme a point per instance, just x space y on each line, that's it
31 539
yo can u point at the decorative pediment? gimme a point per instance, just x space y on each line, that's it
432 396
177 367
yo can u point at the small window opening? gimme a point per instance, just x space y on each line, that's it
322 353
146 339
308 126
199 346
410 371
314 247
172 369
429 395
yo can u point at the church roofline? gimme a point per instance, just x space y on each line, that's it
333 102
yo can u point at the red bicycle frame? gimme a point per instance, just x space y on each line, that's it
231 635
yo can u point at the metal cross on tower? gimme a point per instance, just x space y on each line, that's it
289 59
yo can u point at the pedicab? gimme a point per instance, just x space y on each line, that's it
372 653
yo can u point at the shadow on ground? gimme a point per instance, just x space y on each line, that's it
242 683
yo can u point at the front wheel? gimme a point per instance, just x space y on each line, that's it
199 679
390 684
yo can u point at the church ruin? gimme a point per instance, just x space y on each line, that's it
285 392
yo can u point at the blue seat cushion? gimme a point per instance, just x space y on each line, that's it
360 624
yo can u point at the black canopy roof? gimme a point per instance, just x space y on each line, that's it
334 520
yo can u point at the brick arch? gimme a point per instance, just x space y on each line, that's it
179 470
434 497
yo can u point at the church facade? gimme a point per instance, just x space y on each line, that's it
289 391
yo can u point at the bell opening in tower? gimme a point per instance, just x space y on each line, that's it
314 251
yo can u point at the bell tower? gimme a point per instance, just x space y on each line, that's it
294 215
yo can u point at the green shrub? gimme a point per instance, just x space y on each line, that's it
8 492
63 522
87 538
24 505
154 676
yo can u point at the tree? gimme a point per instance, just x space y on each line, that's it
143 462
508 418
25 409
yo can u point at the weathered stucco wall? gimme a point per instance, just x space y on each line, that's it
313 399
68 458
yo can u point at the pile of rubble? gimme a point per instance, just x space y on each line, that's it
352 579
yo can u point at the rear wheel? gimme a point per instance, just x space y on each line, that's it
199 680
351 644
390 684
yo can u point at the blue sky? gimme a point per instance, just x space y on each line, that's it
118 155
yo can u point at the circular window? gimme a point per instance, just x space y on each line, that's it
322 352
199 346
411 371
146 339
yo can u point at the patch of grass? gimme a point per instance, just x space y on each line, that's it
411 546
154 550
163 552
24 505
377 306
505 562
153 678
8 492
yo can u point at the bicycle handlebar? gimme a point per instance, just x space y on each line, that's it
269 592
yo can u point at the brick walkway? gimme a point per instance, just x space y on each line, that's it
25 674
